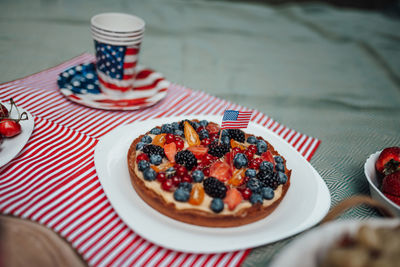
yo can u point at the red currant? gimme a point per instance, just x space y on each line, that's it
259 160
169 138
167 185
252 148
142 156
206 142
236 150
207 159
200 128
176 180
249 154
246 193
253 164
206 171
187 179
181 171
214 136
161 176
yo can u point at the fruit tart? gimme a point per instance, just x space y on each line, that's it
186 172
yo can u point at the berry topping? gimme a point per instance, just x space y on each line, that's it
167 128
252 148
236 134
153 150
203 134
143 165
146 139
240 161
140 145
220 170
255 163
142 156
251 173
149 174
161 176
233 198
267 193
225 140
181 195
191 135
246 193
196 195
205 142
167 185
282 178
185 185
280 167
197 176
218 150
198 151
249 154
214 187
178 133
175 125
169 138
212 128
155 159
203 123
186 158
176 180
256 198
252 139
278 159
267 156
181 171
266 166
170 171
187 178
170 151
261 147
255 185
217 205
155 131
180 144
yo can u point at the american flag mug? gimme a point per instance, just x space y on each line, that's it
117 38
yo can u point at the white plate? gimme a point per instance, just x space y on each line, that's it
311 247
12 146
372 178
306 203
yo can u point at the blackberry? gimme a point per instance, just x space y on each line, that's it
236 134
203 134
186 158
153 150
214 187
265 176
218 150
271 180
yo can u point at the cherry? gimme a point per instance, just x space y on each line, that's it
167 185
161 176
142 156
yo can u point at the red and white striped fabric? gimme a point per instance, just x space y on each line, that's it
53 181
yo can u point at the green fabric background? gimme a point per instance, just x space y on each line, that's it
326 72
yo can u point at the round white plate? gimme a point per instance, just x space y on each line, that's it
372 178
12 146
308 249
305 204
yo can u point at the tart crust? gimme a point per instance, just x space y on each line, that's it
199 217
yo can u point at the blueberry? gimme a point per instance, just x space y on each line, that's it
155 131
256 198
198 176
267 193
261 147
146 139
195 125
266 166
178 132
181 195
167 128
204 123
170 171
185 185
282 178
155 159
240 160
175 125
278 159
217 205
149 174
140 145
225 140
251 173
251 139
254 184
203 134
280 167
143 165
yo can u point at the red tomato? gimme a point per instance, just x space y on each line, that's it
9 128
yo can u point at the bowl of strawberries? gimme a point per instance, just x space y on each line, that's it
382 170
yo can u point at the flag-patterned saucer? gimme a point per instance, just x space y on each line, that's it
80 84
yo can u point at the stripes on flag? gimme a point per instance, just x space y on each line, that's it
53 180
234 119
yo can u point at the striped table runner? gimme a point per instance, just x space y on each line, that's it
53 180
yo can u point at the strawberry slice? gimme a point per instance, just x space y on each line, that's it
221 170
212 128
391 184
233 198
170 151
198 151
267 156
389 160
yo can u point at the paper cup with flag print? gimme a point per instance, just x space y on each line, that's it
117 46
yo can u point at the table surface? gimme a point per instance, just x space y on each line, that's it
326 72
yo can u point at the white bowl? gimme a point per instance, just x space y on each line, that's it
310 248
372 178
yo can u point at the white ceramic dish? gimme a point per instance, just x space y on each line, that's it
372 178
306 203
310 248
10 147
